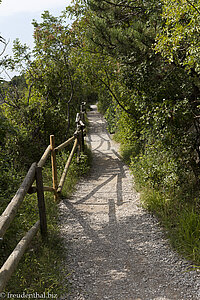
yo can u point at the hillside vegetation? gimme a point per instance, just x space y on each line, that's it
140 61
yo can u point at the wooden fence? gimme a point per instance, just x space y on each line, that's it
35 174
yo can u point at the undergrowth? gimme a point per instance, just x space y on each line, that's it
175 202
39 271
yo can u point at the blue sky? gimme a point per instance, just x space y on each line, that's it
16 17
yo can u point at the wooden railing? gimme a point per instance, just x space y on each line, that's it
35 174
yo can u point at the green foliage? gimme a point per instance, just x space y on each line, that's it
42 101
178 216
156 102
40 267
38 271
9 177
140 60
178 40
111 117
156 167
186 236
156 111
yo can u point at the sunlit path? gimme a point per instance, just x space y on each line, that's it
116 250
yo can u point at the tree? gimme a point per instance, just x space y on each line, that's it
158 96
178 39
54 86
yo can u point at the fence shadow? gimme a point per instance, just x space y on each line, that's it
109 254
115 250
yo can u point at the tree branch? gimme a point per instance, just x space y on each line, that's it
2 40
29 94
188 1
122 5
115 97
72 87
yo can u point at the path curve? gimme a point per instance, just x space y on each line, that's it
115 249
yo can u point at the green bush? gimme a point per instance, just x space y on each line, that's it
157 167
187 231
179 219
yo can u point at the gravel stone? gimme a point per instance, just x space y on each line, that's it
115 249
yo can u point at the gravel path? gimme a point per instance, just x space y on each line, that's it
115 249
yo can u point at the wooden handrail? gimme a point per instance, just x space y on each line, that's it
35 172
63 145
14 258
81 123
44 156
33 189
11 210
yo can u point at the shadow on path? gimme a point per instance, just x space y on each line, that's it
115 249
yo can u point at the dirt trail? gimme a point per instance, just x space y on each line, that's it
116 250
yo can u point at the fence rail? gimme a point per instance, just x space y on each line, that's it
35 174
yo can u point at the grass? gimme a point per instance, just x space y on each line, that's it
39 271
180 220
177 208
77 170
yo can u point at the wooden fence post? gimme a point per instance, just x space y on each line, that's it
77 133
82 140
53 164
82 109
41 202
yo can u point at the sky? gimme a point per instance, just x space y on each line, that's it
16 17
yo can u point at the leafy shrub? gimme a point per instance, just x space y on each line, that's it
111 118
156 166
186 236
